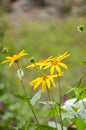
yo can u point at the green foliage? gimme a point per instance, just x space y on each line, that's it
39 127
80 124
23 97
36 97
83 62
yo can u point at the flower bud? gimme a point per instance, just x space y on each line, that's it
80 28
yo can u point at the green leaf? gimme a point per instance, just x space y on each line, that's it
27 125
80 124
23 97
52 124
83 62
36 97
17 128
48 103
39 127
82 94
82 115
80 82
70 89
74 109
20 73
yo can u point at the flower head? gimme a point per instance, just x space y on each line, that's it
14 58
41 63
56 62
45 80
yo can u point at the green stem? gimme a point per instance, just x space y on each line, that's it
27 95
60 101
83 103
57 104
52 108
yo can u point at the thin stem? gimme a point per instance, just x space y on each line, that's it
60 101
56 104
52 108
27 95
84 104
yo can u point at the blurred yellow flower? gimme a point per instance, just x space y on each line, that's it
14 58
41 63
56 63
45 80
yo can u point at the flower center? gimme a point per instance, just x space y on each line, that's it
54 63
45 77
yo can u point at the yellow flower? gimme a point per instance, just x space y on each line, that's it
14 58
41 63
56 63
45 81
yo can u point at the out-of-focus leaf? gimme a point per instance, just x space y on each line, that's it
20 73
70 90
40 127
52 124
27 125
7 128
80 82
36 97
80 124
2 86
48 103
25 98
83 62
16 128
82 94
82 115
74 108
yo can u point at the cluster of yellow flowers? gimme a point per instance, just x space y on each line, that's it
53 63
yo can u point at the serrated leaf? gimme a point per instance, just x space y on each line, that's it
23 97
36 97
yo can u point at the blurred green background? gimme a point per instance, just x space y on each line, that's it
41 33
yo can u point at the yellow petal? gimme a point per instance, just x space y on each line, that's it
43 86
30 66
37 84
11 63
52 70
58 68
63 65
5 61
52 81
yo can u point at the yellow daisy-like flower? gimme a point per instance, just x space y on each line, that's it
14 58
45 80
41 63
56 63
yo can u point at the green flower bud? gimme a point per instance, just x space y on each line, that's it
4 49
32 60
80 28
